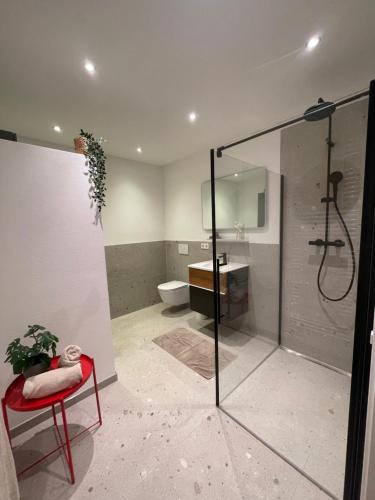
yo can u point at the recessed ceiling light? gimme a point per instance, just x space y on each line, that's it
236 175
313 42
193 116
57 128
89 67
139 150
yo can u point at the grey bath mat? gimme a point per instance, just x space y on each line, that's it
186 345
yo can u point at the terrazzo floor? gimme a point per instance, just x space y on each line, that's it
162 437
301 410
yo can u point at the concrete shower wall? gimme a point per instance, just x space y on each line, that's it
311 324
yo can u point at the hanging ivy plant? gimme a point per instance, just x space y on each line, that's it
95 160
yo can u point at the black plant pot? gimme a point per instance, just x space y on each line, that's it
36 369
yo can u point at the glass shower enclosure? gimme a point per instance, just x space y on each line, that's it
291 213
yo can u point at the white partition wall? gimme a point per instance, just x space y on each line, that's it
52 266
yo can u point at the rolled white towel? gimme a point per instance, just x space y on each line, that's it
52 381
70 355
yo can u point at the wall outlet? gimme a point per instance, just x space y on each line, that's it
183 249
205 246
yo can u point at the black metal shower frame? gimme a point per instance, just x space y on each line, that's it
365 296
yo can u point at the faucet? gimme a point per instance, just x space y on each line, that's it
222 258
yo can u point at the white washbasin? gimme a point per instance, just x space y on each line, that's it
207 265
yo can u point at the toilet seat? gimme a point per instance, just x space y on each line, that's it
172 285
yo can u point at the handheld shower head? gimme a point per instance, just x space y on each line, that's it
335 178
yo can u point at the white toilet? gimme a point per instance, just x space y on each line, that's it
174 293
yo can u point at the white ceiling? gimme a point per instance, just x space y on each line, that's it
241 64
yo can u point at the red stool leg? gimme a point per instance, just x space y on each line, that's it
54 415
67 443
5 417
96 392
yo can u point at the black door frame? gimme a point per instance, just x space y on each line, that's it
363 321
364 304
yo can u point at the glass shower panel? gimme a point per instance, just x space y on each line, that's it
248 237
285 357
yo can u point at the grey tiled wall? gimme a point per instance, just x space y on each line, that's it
134 272
263 259
311 324
177 264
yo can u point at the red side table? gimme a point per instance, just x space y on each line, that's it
14 400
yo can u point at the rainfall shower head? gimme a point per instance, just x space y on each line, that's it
319 111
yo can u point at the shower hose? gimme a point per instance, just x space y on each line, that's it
325 255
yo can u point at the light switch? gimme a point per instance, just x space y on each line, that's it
183 249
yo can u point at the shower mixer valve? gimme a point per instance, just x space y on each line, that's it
321 243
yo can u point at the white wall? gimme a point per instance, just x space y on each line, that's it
182 189
151 203
52 267
135 202
135 199
182 194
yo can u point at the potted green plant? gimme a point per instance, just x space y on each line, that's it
34 359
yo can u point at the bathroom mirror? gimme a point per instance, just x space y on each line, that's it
240 200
